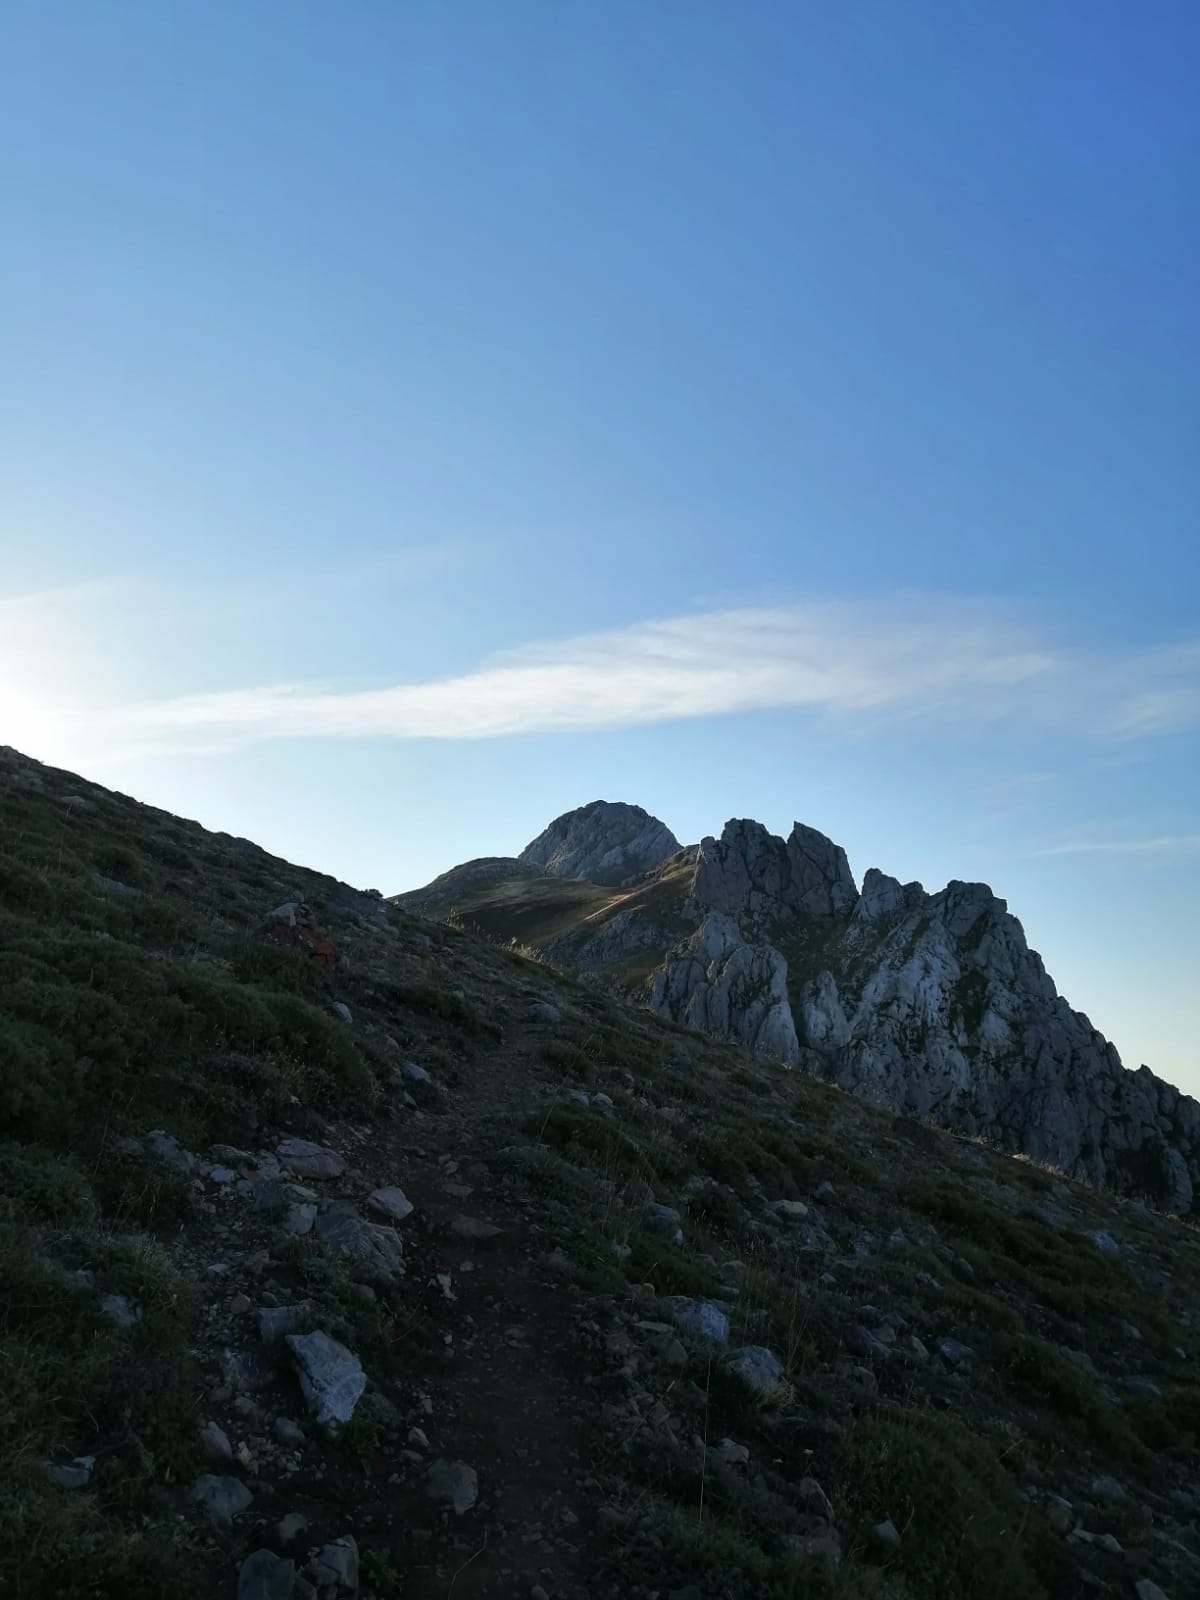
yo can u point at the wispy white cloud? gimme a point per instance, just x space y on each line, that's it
1162 844
1165 705
833 658
856 665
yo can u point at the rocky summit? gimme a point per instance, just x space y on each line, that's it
350 1252
931 1005
606 842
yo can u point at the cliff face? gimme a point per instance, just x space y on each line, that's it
930 1004
718 982
934 1005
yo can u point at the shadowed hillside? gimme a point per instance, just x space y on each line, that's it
425 1268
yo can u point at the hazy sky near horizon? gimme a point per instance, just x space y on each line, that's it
419 419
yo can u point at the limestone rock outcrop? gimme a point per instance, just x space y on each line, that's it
606 842
750 873
935 1006
718 983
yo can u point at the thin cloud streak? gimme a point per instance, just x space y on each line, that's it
1163 844
832 658
859 666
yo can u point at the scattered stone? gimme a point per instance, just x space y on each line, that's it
168 1148
275 1321
274 1193
1104 1242
418 1437
789 1208
823 1192
1145 1589
114 886
954 1353
296 1204
229 1155
1060 1514
300 1217
80 1280
1142 1388
310 1160
542 1011
126 1313
453 1483
342 1011
669 1350
814 1499
239 1305
215 1442
391 1202
887 1534
665 1220
737 1455
861 1342
1110 1490
291 1526
70 1474
473 1228
702 1317
340 1228
1080 1359
223 1498
331 1376
758 1369
337 1565
415 1073
266 1576
244 1371
289 1433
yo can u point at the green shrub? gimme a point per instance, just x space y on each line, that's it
42 1186
964 1532
1171 1422
1041 1369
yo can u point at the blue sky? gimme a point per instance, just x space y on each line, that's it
420 419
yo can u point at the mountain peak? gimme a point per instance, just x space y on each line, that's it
606 841
751 871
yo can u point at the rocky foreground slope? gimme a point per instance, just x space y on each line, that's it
428 1270
929 1004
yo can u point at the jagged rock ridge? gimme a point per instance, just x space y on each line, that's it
930 1004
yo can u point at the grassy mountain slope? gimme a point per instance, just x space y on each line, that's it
996 1362
509 902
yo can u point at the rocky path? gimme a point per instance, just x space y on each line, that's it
465 1470
497 1348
